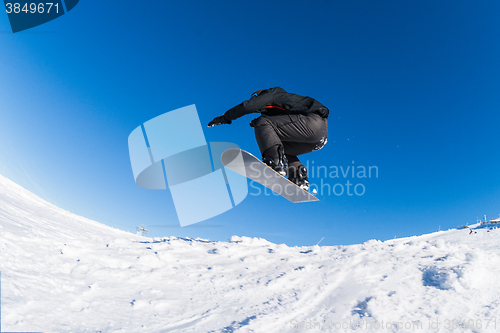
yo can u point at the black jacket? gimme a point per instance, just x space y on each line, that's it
276 101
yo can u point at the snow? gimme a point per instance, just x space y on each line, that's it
64 273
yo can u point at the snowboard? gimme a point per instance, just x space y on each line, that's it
247 165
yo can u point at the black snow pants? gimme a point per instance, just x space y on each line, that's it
299 134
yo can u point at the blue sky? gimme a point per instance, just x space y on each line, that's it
412 87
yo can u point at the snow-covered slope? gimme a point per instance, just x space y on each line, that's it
64 273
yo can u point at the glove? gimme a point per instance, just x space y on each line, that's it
219 121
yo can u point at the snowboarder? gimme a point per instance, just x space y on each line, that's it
290 125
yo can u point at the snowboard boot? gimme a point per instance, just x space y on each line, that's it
298 176
275 158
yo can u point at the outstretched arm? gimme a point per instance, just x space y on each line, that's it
254 104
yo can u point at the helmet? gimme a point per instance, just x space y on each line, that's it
257 93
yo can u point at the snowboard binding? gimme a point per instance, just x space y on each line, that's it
298 176
278 162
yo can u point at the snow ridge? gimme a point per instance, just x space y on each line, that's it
65 273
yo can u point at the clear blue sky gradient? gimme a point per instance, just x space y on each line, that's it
412 86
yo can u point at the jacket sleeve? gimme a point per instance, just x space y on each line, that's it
254 104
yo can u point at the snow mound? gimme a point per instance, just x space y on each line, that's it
64 273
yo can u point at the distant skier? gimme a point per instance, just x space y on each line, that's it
290 125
